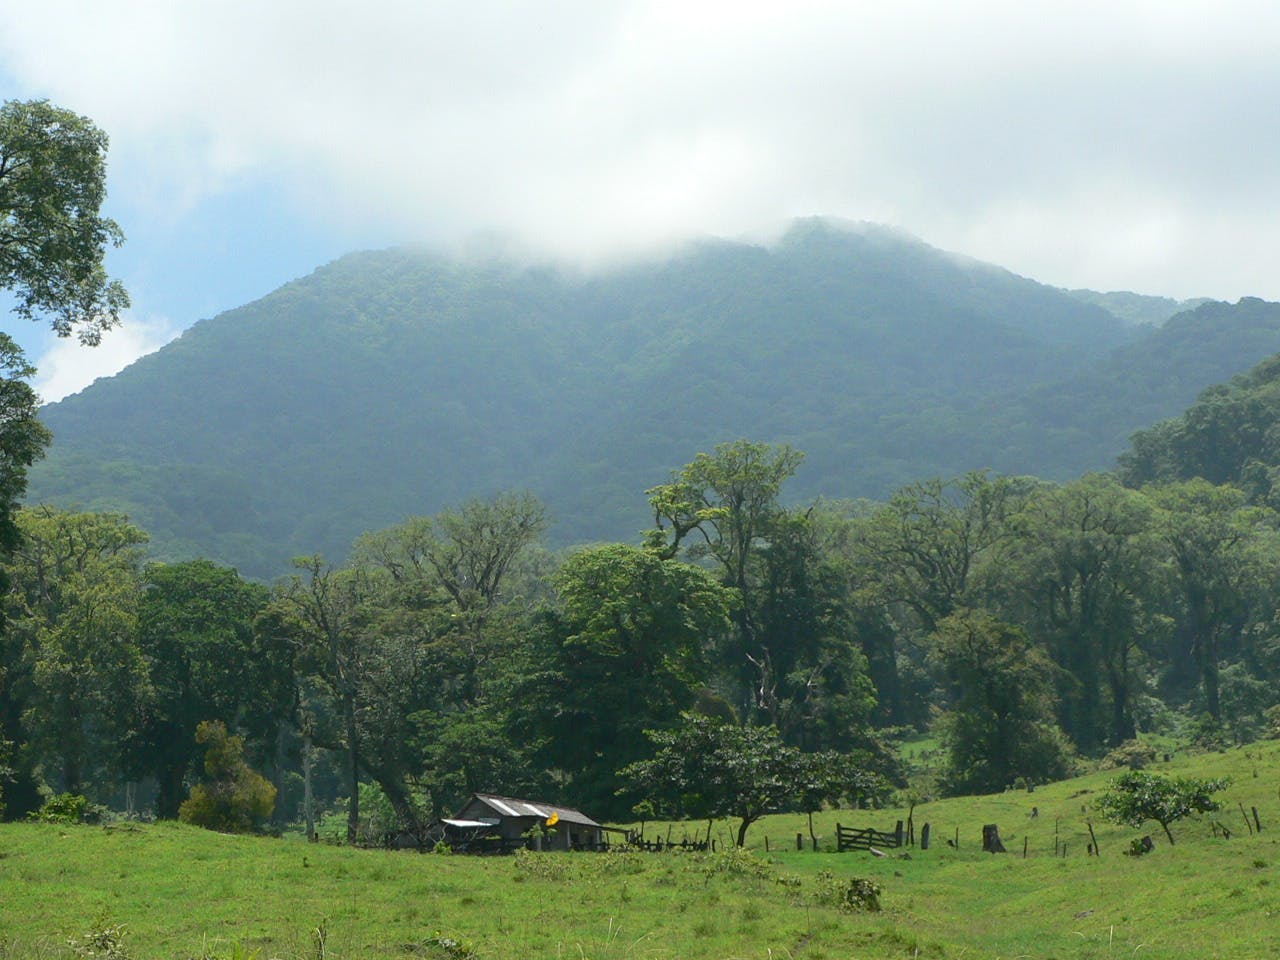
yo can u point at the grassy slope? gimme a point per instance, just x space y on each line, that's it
181 891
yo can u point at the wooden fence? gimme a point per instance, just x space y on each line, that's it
847 838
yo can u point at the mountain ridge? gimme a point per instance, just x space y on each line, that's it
394 382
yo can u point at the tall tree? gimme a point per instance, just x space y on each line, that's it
1000 725
323 609
52 243
625 652
72 606
1221 551
1081 579
22 441
726 505
52 235
461 557
207 662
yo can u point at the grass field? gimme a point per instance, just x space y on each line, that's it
181 892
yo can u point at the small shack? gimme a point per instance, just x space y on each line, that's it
494 822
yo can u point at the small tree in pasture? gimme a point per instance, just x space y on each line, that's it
1135 798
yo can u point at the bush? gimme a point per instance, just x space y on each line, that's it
1132 754
235 798
62 808
1273 722
854 894
104 942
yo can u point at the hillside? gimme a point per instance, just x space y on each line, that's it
398 382
181 891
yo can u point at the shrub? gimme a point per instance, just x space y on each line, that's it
105 941
235 798
1273 722
1132 754
854 894
63 808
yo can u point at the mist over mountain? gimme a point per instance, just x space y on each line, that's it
400 382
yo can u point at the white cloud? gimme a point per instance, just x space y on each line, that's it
67 367
1058 132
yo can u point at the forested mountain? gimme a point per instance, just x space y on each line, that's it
399 382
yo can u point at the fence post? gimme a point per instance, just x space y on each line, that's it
1256 822
897 834
799 841
924 837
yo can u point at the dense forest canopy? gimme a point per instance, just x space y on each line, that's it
1025 623
400 382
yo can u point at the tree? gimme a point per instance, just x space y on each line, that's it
462 557
196 629
726 504
1135 798
707 768
72 610
1218 570
22 442
1080 576
52 236
1000 726
625 652
323 612
233 796
52 242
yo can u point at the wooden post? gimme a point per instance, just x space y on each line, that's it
1097 852
766 843
911 826
1248 826
924 837
957 843
1024 847
799 841
898 833
1256 822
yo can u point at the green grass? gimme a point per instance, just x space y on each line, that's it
183 892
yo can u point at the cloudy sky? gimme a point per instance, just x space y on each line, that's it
1114 145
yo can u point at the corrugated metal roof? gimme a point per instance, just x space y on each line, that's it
512 807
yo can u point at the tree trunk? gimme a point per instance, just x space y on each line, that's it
307 800
353 768
991 839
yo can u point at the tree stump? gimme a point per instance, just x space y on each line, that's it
991 839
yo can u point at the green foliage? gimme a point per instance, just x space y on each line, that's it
72 611
196 629
1000 729
233 798
1131 755
627 651
52 237
62 808
706 768
451 948
852 894
1134 798
103 941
